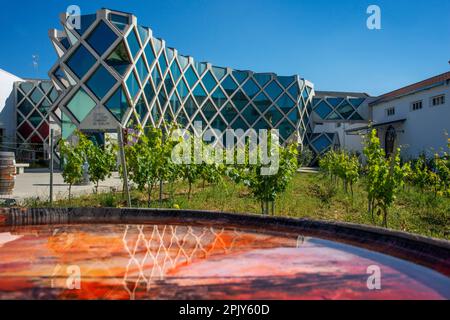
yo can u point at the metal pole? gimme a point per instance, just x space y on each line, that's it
161 182
124 166
51 166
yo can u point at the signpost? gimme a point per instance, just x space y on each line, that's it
124 165
52 133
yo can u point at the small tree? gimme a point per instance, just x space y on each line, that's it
385 177
73 160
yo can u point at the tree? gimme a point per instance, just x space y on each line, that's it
73 159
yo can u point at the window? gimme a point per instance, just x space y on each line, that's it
416 105
438 100
390 111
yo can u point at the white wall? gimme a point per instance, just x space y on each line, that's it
7 105
424 129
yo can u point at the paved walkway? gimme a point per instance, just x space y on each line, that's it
36 185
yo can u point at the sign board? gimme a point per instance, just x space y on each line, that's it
99 119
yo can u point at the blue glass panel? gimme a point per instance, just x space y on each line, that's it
229 112
345 109
149 54
53 95
101 82
175 103
118 104
133 43
85 22
157 44
316 101
240 76
26 107
81 104
294 116
133 86
286 81
182 119
182 89
170 54
356 116
208 110
219 97
156 76
26 87
65 42
35 119
67 127
240 100
250 114
101 38
239 124
200 67
334 101
208 81
219 72
273 90
261 124
229 85
156 115
305 94
323 110
143 34
168 83
81 61
190 107
119 21
285 103
141 109
218 123
333 116
175 70
199 94
356 102
162 63
46 86
162 99
149 92
273 116
36 96
141 69
183 62
20 96
286 130
191 77
321 143
294 91
262 102
251 88
262 78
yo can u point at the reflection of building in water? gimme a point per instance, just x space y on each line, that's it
156 251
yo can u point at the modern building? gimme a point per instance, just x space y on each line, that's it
415 118
113 72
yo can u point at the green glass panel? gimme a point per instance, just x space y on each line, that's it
118 104
133 43
101 82
36 96
80 105
356 116
53 95
262 102
67 127
19 120
46 86
20 96
262 78
133 86
250 114
45 106
119 59
101 38
25 107
26 87
286 130
333 116
35 119
251 88
345 109
81 61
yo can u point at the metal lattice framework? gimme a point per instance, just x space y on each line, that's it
155 250
34 101
114 67
339 108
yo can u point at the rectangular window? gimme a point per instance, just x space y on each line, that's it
416 105
390 111
438 100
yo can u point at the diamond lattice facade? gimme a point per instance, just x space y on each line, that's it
113 71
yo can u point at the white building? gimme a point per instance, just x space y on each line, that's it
7 110
415 118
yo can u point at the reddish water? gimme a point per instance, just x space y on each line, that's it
197 262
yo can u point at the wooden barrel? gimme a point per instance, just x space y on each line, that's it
7 172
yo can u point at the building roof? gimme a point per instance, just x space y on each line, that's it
341 94
418 86
375 125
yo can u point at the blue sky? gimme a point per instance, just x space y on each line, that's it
324 41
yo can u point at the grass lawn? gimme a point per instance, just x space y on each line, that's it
308 196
